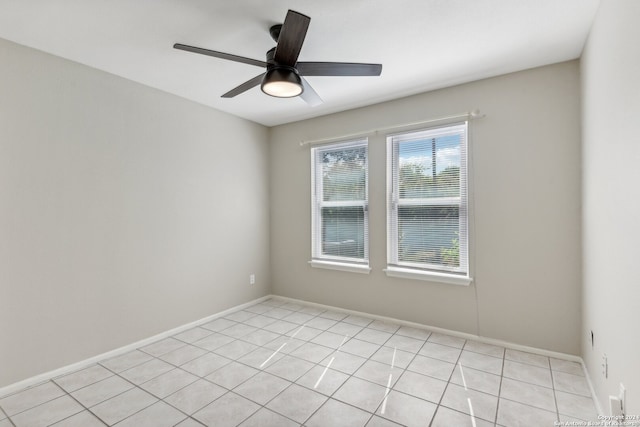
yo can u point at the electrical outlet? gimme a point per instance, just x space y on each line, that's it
252 279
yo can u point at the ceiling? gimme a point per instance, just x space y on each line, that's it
422 44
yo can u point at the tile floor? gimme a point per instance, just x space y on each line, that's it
284 364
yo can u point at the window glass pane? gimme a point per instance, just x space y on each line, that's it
429 235
344 174
429 167
343 231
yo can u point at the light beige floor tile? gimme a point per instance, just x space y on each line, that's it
483 348
101 391
529 394
421 386
161 347
232 375
281 327
566 366
393 357
82 378
206 364
290 368
218 325
527 373
337 414
259 321
157 415
195 396
168 383
344 328
262 358
30 397
403 343
183 355
81 419
528 358
373 336
407 410
262 387
361 393
513 414
441 352
482 405
378 373
343 362
213 341
476 380
321 323
192 335
481 362
330 339
431 367
227 411
417 333
377 421
48 413
148 370
267 418
312 352
446 417
123 405
447 340
307 402
571 383
323 380
574 405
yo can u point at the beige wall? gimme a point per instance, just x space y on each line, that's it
124 212
525 201
611 174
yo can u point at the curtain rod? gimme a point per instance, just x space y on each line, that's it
470 115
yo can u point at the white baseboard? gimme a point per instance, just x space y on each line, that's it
501 343
29 382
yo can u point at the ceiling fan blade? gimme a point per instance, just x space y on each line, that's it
291 38
244 87
309 95
221 55
338 69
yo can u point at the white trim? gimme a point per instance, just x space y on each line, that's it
342 266
469 115
29 382
594 396
12 388
464 335
429 276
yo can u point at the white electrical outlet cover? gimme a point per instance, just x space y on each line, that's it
615 406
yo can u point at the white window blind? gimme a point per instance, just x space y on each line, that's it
427 200
340 224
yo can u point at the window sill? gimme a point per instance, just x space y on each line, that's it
409 273
342 266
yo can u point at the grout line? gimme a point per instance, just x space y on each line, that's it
291 336
504 355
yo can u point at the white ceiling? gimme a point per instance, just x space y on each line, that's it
422 44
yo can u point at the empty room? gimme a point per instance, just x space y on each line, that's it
321 214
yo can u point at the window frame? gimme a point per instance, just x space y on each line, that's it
426 271
318 259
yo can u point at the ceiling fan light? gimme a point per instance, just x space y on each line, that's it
282 82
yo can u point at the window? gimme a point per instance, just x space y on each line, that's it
427 204
340 218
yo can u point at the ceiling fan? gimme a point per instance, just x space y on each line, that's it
284 77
